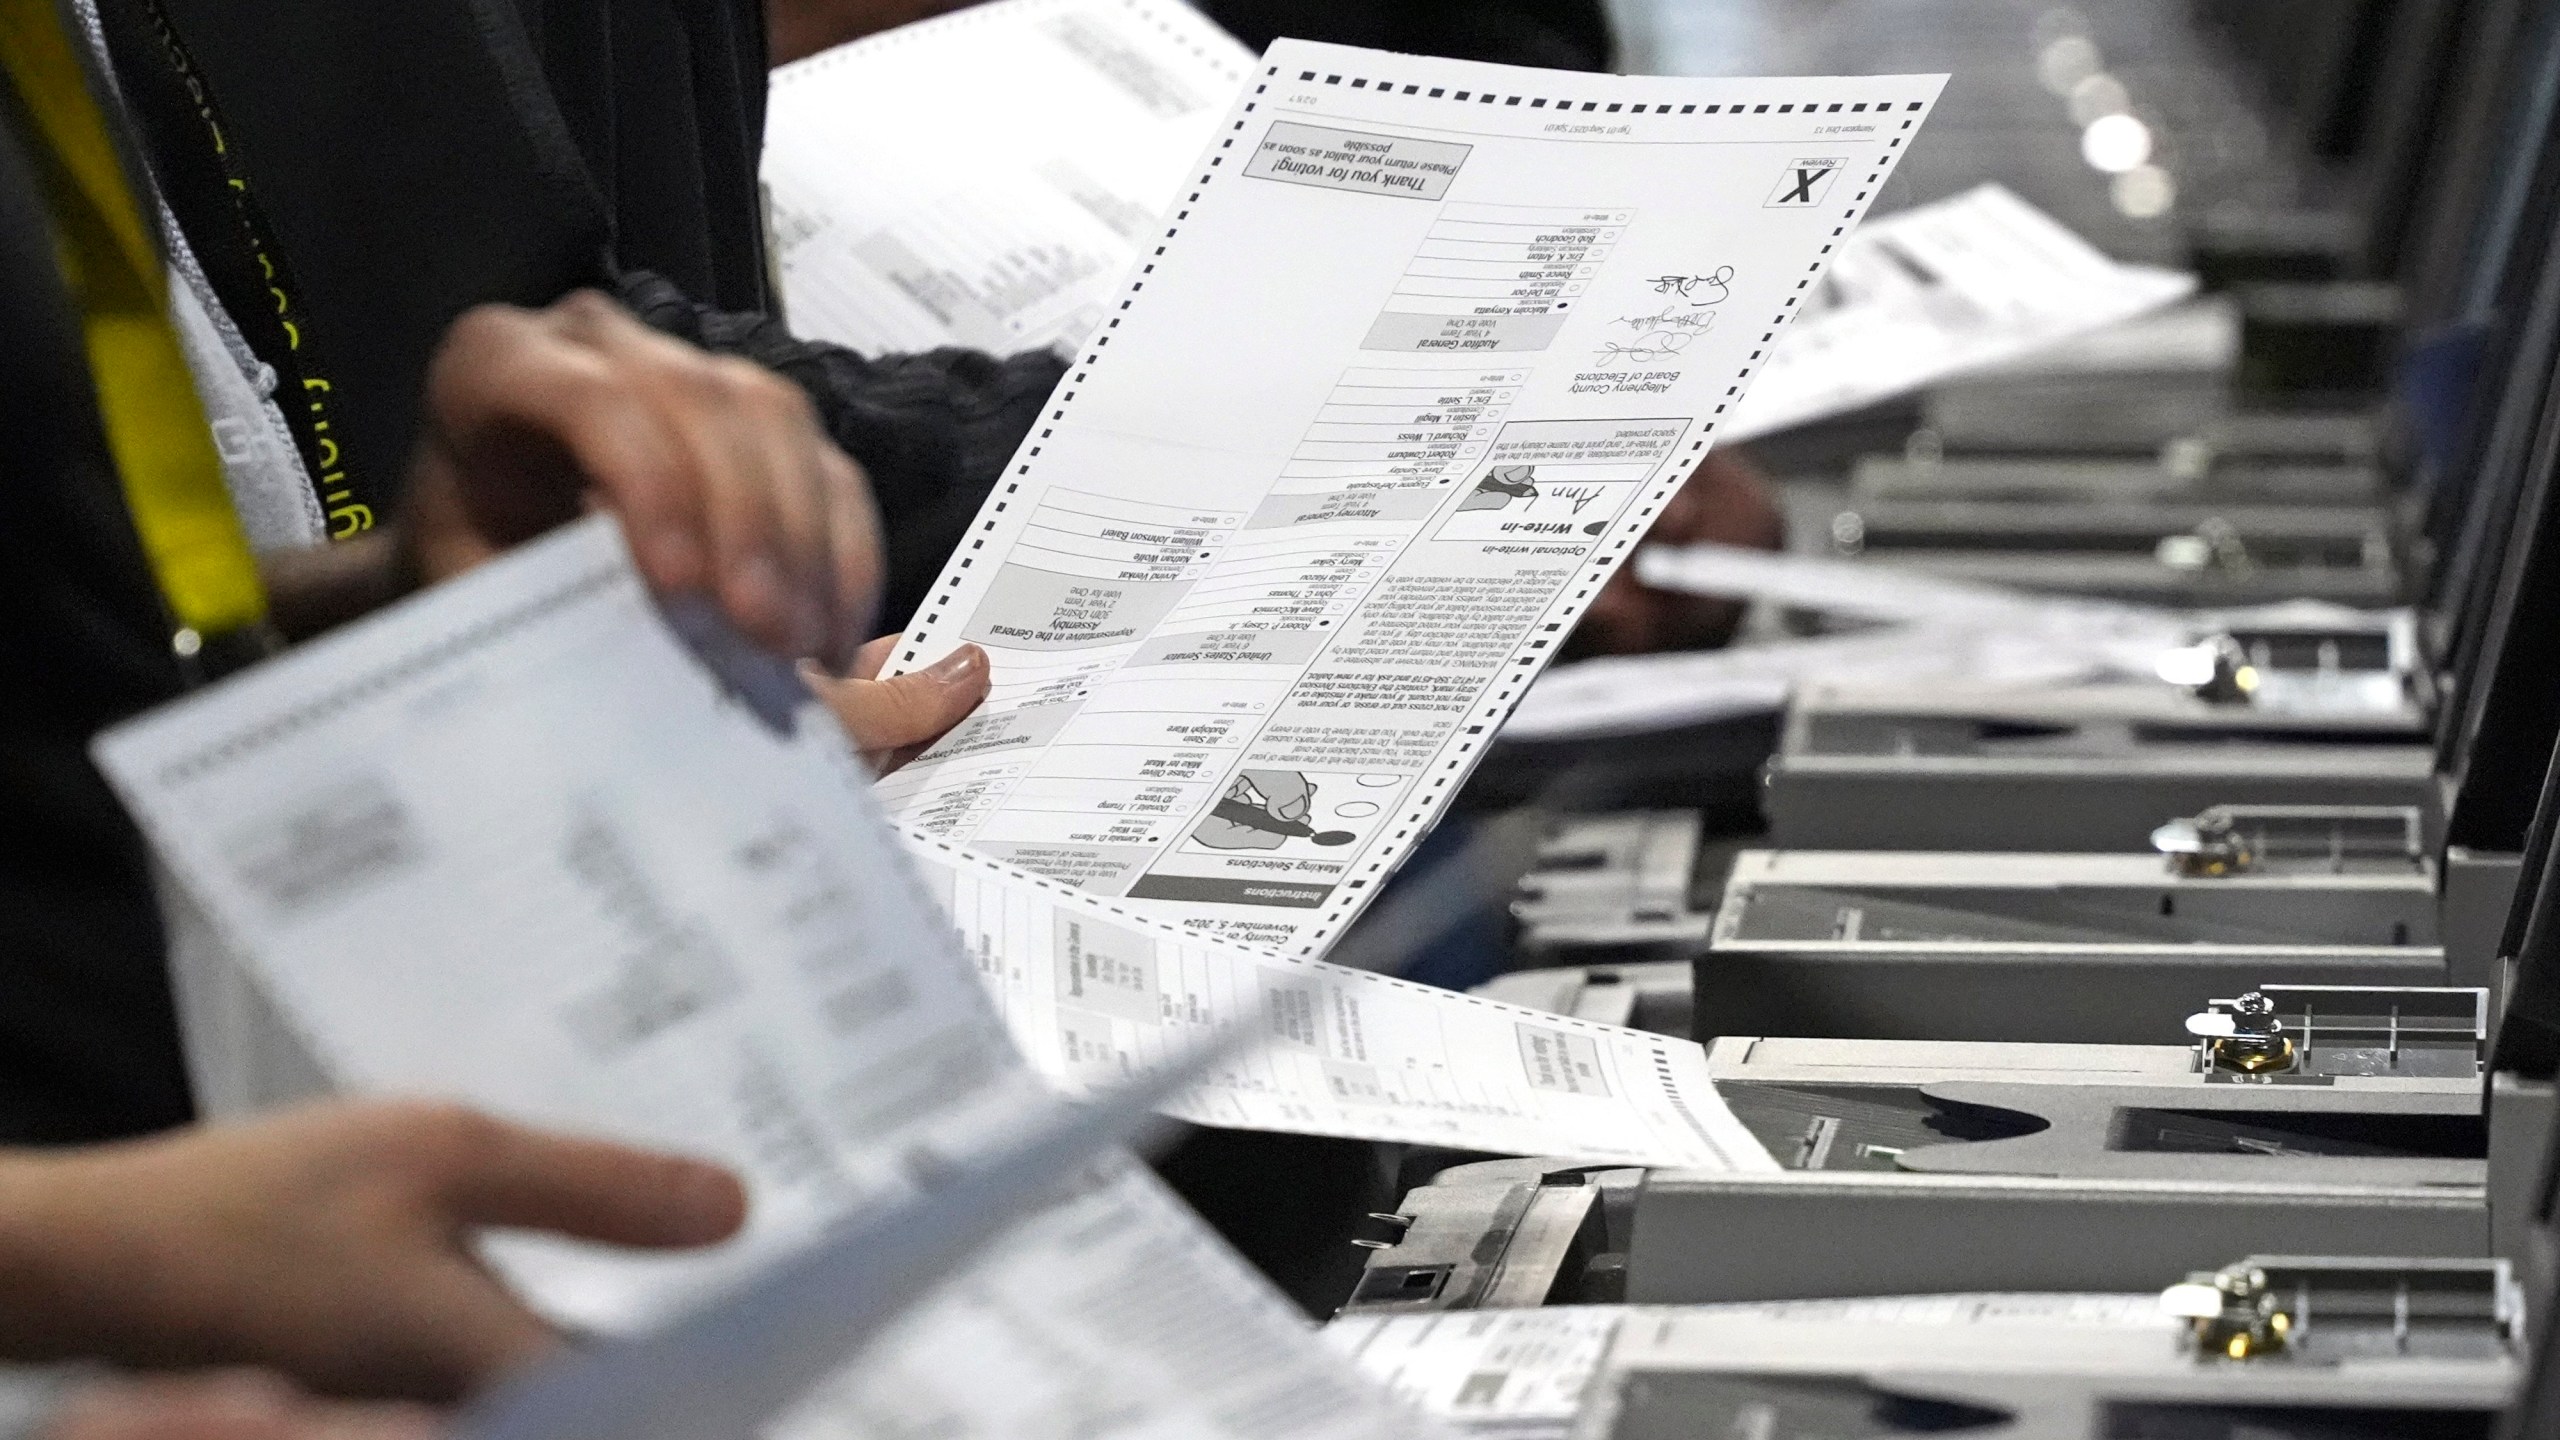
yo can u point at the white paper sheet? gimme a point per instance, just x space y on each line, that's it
735 1362
1118 1315
2009 1332
513 843
1938 291
1389 398
1532 1373
1880 590
1856 588
1524 1373
1094 992
1625 695
1946 630
986 178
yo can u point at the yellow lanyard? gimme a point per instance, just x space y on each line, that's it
155 425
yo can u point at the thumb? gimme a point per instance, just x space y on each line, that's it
462 1325
463 1330
892 718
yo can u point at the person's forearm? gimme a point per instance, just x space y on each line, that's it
316 589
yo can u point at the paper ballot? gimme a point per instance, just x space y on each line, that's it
1941 630
986 178
1855 588
512 842
732 1363
1522 1373
1938 291
1534 1373
1632 694
1095 992
1419 353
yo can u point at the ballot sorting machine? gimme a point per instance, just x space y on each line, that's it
2238 989
2269 1345
2072 487
2341 1195
2358 711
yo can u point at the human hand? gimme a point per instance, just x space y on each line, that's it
892 721
330 1243
1727 499
227 1405
724 481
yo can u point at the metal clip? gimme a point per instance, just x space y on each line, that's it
2214 546
2208 846
2246 1038
2188 459
2215 669
1398 1223
2231 1314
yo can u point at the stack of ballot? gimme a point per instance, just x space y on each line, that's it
1301 525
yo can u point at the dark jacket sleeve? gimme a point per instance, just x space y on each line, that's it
933 430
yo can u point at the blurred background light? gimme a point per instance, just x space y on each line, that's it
2115 144
2065 62
2145 192
2098 96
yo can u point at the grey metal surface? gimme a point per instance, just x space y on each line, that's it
1978 792
1617 883
2014 479
2372 898
2403 1335
2522 1113
2027 947
1491 1235
2085 998
1722 1237
2479 889
2299 1404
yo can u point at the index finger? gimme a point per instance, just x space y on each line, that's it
590 1189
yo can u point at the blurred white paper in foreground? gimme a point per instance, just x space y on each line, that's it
984 179
515 842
